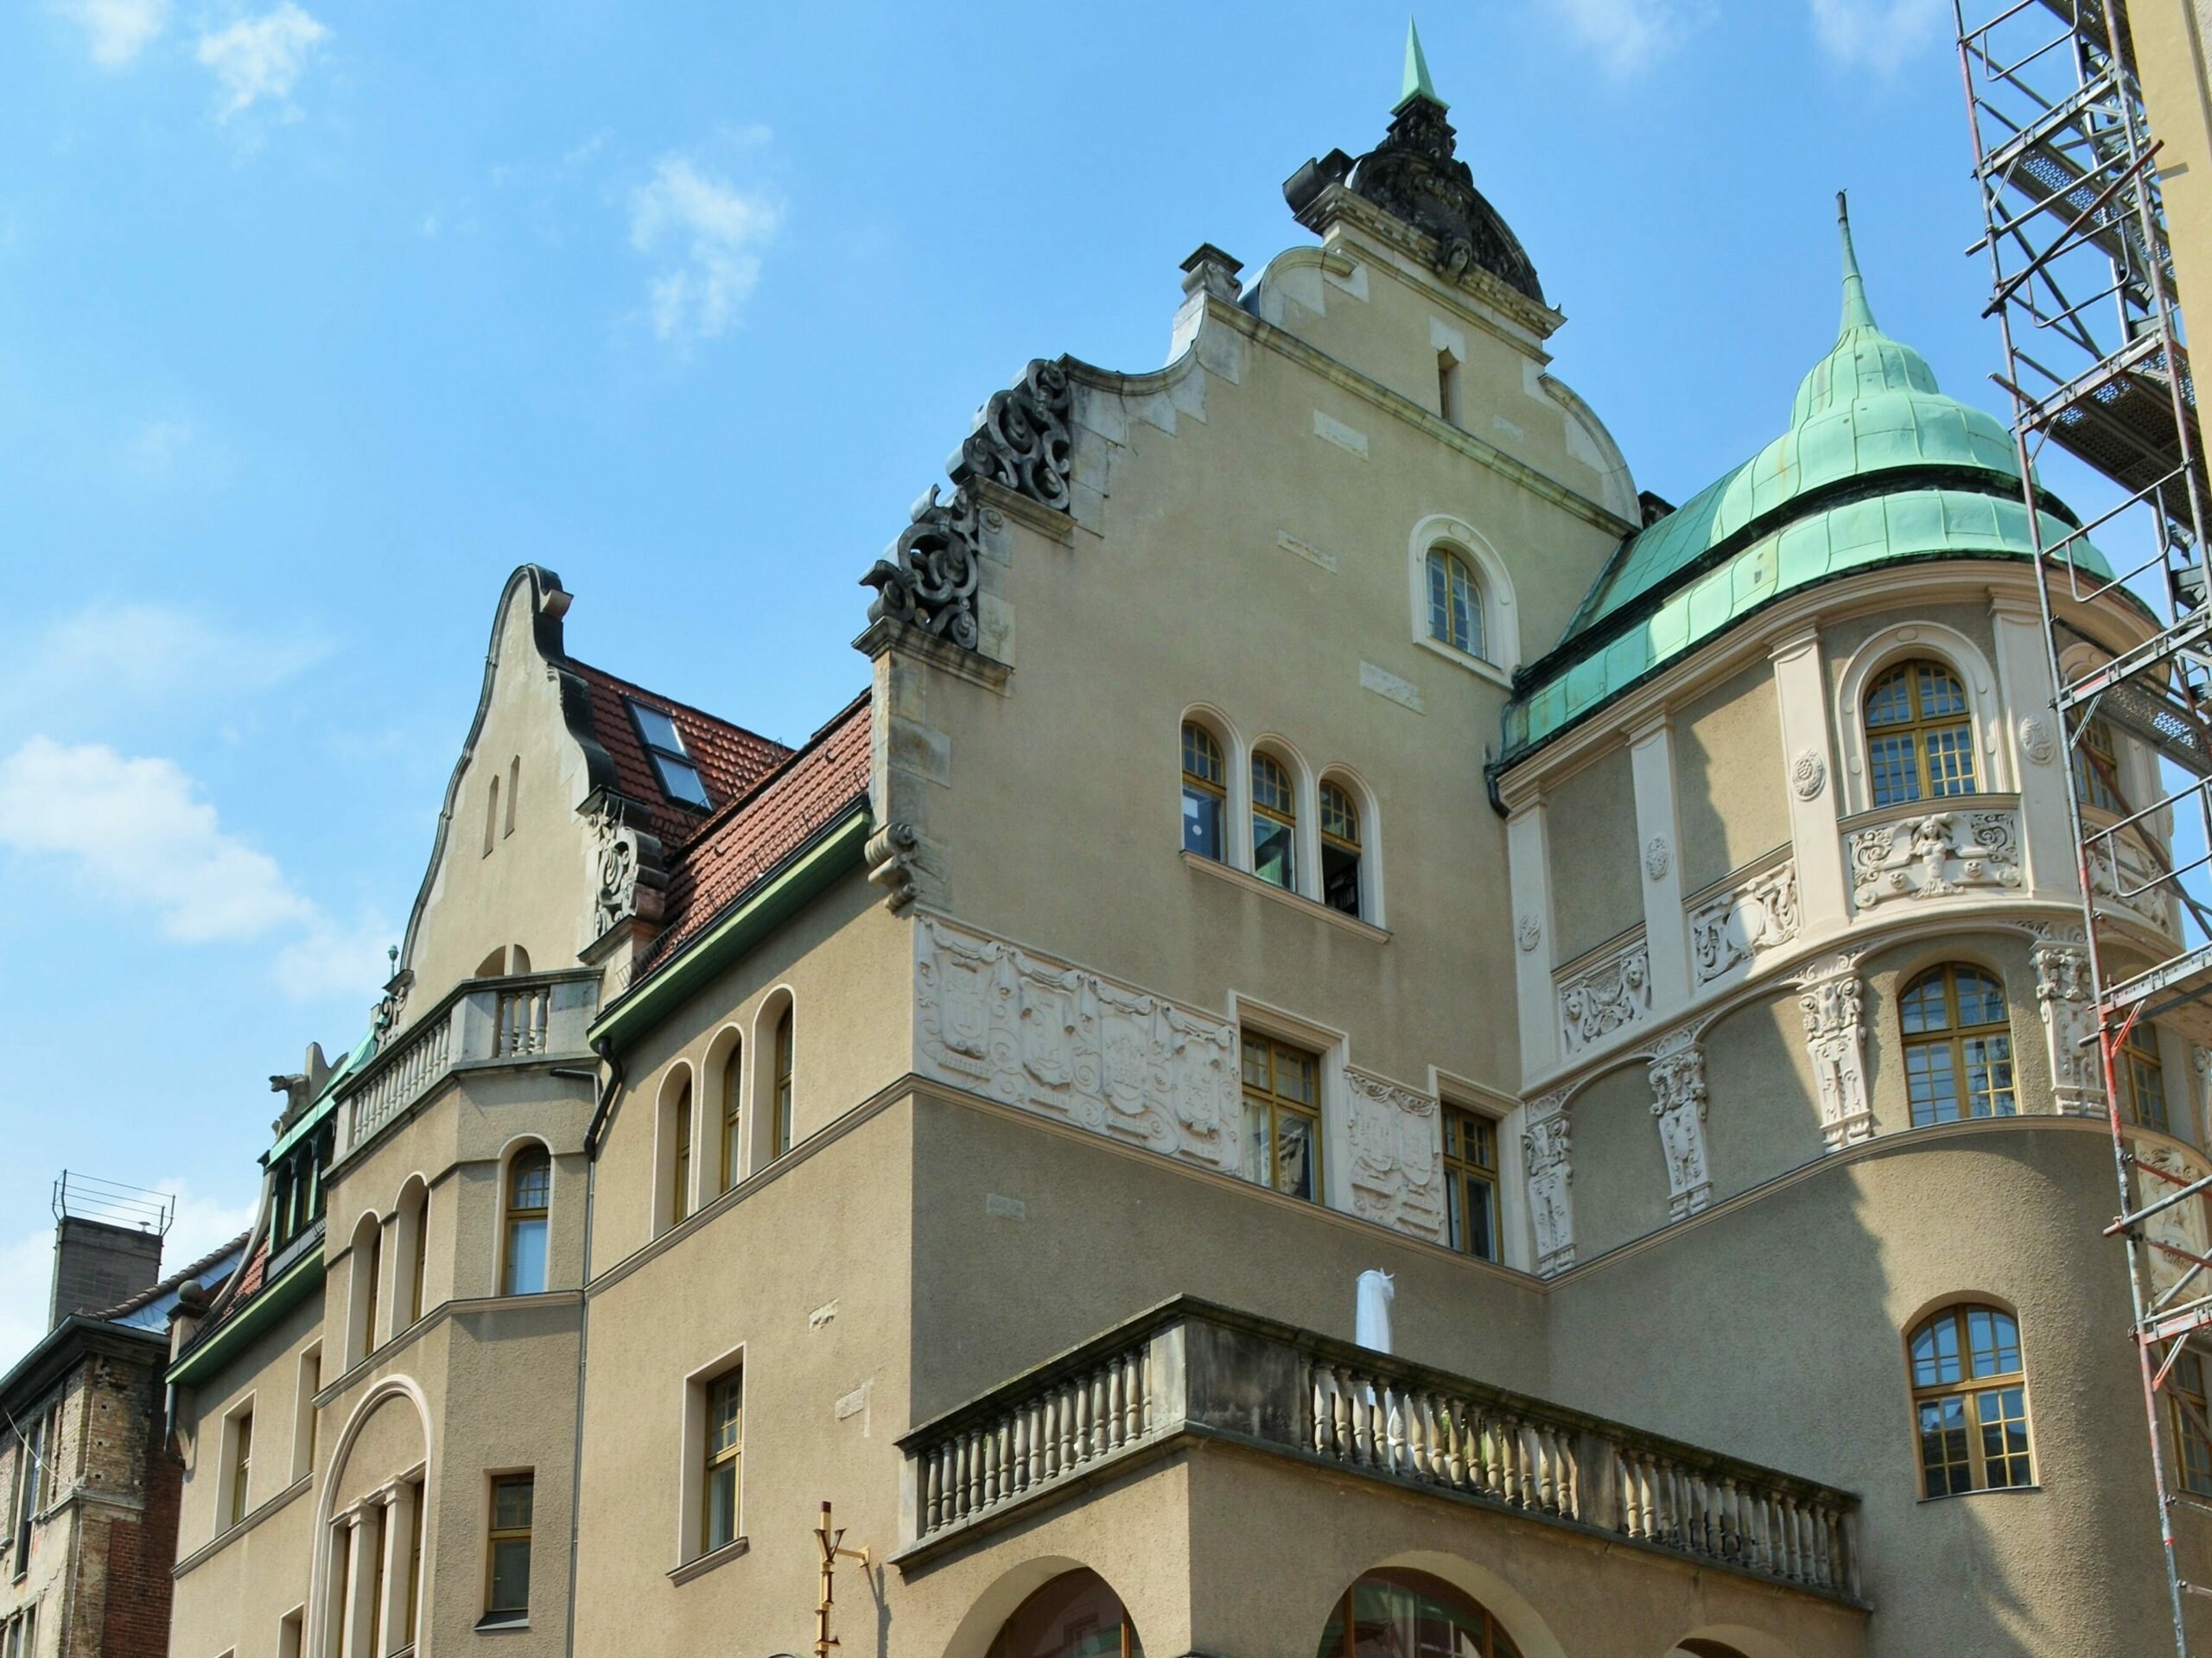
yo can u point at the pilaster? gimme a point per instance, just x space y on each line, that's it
399 1521
1809 761
2033 747
1529 861
1666 932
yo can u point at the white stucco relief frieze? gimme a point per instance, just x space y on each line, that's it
1548 1152
1932 855
1809 773
2069 1025
1678 1103
2127 878
1732 927
1030 1031
1395 1137
2179 1229
1830 1001
1608 995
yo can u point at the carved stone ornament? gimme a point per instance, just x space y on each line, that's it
1933 856
1809 773
2140 890
1731 928
929 576
1528 934
1836 1041
1395 1170
2036 740
1548 1155
890 854
1023 1029
2179 1231
1678 1103
2069 1028
1415 174
1605 997
631 871
1657 858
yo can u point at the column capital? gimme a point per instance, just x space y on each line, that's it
1795 642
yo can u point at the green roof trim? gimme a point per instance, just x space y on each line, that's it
1416 83
1890 528
781 894
269 1302
325 1102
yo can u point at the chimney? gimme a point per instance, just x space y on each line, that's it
107 1244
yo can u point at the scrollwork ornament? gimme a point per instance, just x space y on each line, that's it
1528 934
1808 774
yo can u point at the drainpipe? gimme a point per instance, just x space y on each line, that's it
601 1117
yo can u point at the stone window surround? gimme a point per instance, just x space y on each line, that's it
1906 642
1501 616
691 1436
397 1499
508 1153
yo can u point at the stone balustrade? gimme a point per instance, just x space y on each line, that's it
1190 1370
483 1021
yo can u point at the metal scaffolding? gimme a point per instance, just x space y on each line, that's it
2082 286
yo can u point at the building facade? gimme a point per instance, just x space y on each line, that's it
1309 814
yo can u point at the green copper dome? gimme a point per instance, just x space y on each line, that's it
1878 466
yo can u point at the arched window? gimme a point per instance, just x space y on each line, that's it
530 1198
415 1243
1919 734
1970 1394
1340 848
1390 1612
1958 1045
2142 1077
1205 794
366 1286
732 1140
1074 1616
679 1194
1274 823
1455 603
784 1060
2097 768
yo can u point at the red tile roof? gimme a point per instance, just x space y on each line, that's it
731 759
747 838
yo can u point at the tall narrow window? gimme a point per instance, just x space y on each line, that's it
419 1267
725 1445
492 817
1206 797
1274 823
1971 1396
1339 849
306 1383
514 787
672 763
2142 1077
507 1592
414 1559
733 1137
2097 768
1447 386
241 1464
1919 734
783 1063
1283 1117
679 1196
375 1520
2192 1422
368 1266
1958 1046
1471 1182
1455 603
529 1196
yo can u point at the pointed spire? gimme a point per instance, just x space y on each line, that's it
1417 83
1856 312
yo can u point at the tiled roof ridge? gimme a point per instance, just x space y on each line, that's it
631 688
782 768
154 1293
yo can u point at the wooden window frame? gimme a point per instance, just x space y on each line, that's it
1953 1037
1351 845
2137 1058
1461 1170
513 1213
714 1458
679 1177
2096 769
1448 576
2186 1389
1214 786
1275 1105
1969 1389
733 1114
1285 817
495 1533
786 1064
237 1482
1497 1641
1918 730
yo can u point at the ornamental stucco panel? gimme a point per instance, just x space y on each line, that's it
1548 1155
1395 1162
2177 1234
1607 996
1830 1003
2070 1026
1032 1032
1731 928
1678 1105
1933 854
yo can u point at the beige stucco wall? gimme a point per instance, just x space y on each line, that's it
1590 823
2172 38
1729 790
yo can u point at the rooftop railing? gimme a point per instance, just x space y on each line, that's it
1192 1370
529 1017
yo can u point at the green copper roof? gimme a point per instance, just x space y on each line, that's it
1896 470
1417 83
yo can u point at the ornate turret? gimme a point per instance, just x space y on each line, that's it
1415 175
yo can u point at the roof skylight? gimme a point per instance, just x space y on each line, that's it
679 777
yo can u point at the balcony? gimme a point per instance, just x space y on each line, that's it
1191 1371
528 1018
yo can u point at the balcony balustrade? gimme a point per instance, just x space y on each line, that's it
1190 1370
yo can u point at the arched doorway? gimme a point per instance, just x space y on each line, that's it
1392 1612
1077 1615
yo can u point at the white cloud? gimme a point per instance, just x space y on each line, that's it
136 833
110 660
333 962
261 57
117 30
1628 34
201 1225
1878 35
712 231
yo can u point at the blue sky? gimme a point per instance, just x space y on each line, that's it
316 319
